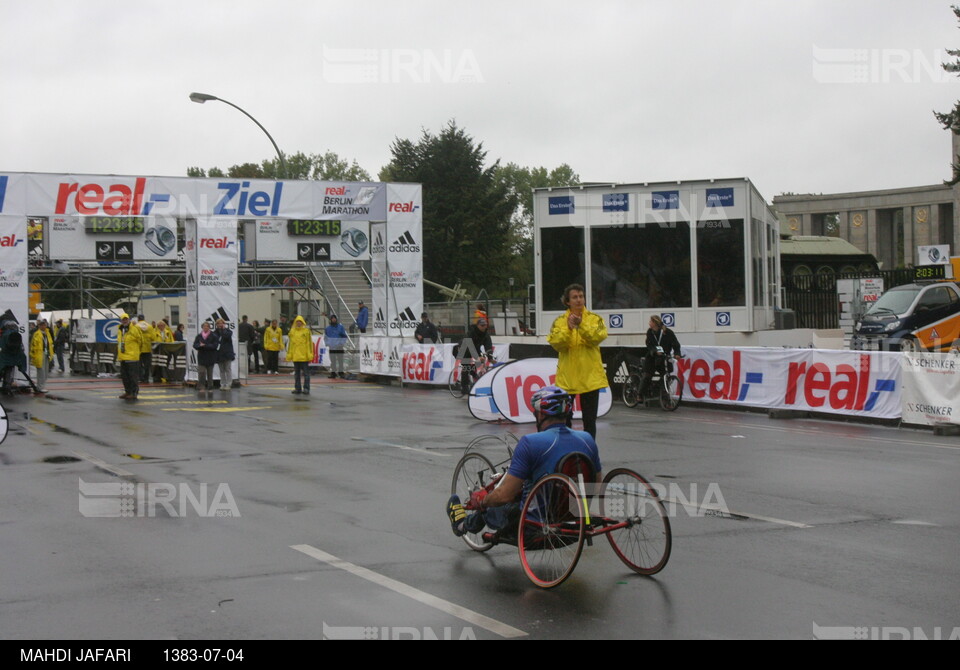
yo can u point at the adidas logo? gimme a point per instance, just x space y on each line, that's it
405 244
622 373
405 319
378 247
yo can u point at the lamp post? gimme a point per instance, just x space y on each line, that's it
204 97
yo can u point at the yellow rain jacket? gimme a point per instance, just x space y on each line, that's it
129 343
580 368
300 347
41 339
272 339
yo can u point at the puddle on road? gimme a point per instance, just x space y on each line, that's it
61 459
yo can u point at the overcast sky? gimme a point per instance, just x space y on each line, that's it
799 96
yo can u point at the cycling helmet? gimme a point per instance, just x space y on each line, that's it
552 401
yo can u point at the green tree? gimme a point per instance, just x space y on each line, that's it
467 207
319 167
521 181
951 120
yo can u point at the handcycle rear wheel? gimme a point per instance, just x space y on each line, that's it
552 530
644 544
473 472
671 392
453 383
631 391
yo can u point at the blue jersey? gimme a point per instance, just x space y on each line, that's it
538 454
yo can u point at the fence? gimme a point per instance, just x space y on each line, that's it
815 301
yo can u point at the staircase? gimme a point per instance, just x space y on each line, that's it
343 287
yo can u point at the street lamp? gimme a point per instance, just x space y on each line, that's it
204 97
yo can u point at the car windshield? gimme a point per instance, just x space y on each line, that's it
895 301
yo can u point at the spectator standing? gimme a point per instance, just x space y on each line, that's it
225 354
576 336
426 332
129 345
41 353
272 344
255 346
164 336
245 335
363 317
300 353
61 340
205 343
335 337
146 348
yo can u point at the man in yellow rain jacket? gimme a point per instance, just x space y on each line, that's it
129 344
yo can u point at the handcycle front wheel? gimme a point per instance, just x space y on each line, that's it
473 472
453 383
671 392
644 543
631 391
552 530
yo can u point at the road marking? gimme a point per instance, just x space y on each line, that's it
446 606
212 409
722 511
103 465
384 443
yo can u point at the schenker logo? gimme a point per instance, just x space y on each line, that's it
405 244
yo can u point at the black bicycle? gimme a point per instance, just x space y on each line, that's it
664 385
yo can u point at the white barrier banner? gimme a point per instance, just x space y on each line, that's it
380 356
13 268
321 355
931 388
415 363
511 386
817 380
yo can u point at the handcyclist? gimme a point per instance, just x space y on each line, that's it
536 455
660 340
476 342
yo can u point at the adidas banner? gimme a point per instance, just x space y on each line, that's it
13 268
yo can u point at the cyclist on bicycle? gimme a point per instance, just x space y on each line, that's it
661 343
477 341
536 455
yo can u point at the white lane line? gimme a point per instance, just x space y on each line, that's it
446 606
383 443
103 465
722 511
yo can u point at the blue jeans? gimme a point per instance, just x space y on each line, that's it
301 368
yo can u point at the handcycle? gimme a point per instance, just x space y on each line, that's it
474 368
663 385
567 509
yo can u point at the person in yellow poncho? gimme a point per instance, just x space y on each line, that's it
300 353
576 335
41 353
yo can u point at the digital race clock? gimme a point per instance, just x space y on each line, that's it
929 272
313 228
114 225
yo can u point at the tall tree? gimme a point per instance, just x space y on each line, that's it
467 206
951 120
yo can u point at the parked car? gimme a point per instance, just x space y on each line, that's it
912 317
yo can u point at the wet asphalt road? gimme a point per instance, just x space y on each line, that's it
324 517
